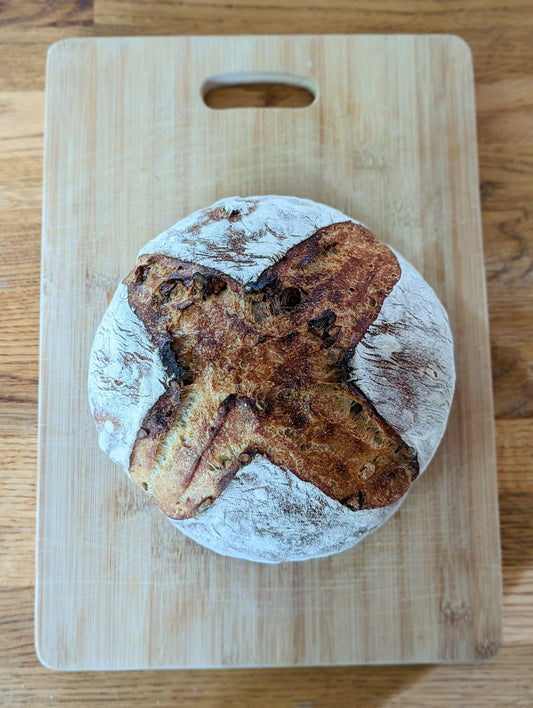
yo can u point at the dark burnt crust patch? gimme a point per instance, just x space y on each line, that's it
263 369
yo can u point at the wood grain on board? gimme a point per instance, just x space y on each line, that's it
130 148
500 43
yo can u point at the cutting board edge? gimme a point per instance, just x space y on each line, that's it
39 647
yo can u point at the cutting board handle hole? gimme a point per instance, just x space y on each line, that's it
259 89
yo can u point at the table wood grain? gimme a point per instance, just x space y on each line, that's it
499 34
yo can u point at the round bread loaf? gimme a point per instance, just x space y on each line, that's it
273 377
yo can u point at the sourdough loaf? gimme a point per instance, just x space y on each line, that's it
273 377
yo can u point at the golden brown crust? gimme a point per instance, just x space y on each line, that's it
263 369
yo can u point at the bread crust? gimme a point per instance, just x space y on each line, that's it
263 370
403 365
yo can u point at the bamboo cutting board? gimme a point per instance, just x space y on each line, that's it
130 149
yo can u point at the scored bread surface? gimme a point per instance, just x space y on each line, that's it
236 365
265 370
404 363
267 514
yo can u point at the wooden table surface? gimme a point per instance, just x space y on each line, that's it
499 34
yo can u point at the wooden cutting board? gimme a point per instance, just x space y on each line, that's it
130 149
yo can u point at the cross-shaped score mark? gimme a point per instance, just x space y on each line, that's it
263 369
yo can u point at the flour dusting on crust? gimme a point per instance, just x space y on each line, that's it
404 363
126 377
242 237
269 515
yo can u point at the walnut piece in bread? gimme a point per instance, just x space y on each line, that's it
259 437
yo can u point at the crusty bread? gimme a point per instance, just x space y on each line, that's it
262 370
270 372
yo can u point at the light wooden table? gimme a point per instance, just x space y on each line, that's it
499 34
